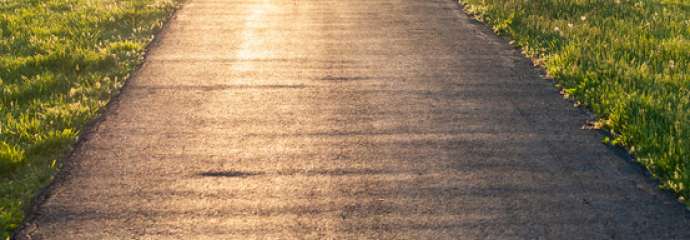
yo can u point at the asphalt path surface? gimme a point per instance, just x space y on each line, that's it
362 119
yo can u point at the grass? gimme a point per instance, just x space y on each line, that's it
60 62
628 61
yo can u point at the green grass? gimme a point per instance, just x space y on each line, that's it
60 62
628 61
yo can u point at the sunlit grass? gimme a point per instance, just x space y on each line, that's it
628 61
60 62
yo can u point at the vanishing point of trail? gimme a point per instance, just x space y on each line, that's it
364 119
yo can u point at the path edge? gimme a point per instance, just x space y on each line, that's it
629 160
31 211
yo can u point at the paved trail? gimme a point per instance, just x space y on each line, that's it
331 119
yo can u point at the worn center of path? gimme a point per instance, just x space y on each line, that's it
366 119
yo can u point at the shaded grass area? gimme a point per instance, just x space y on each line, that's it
628 61
60 62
